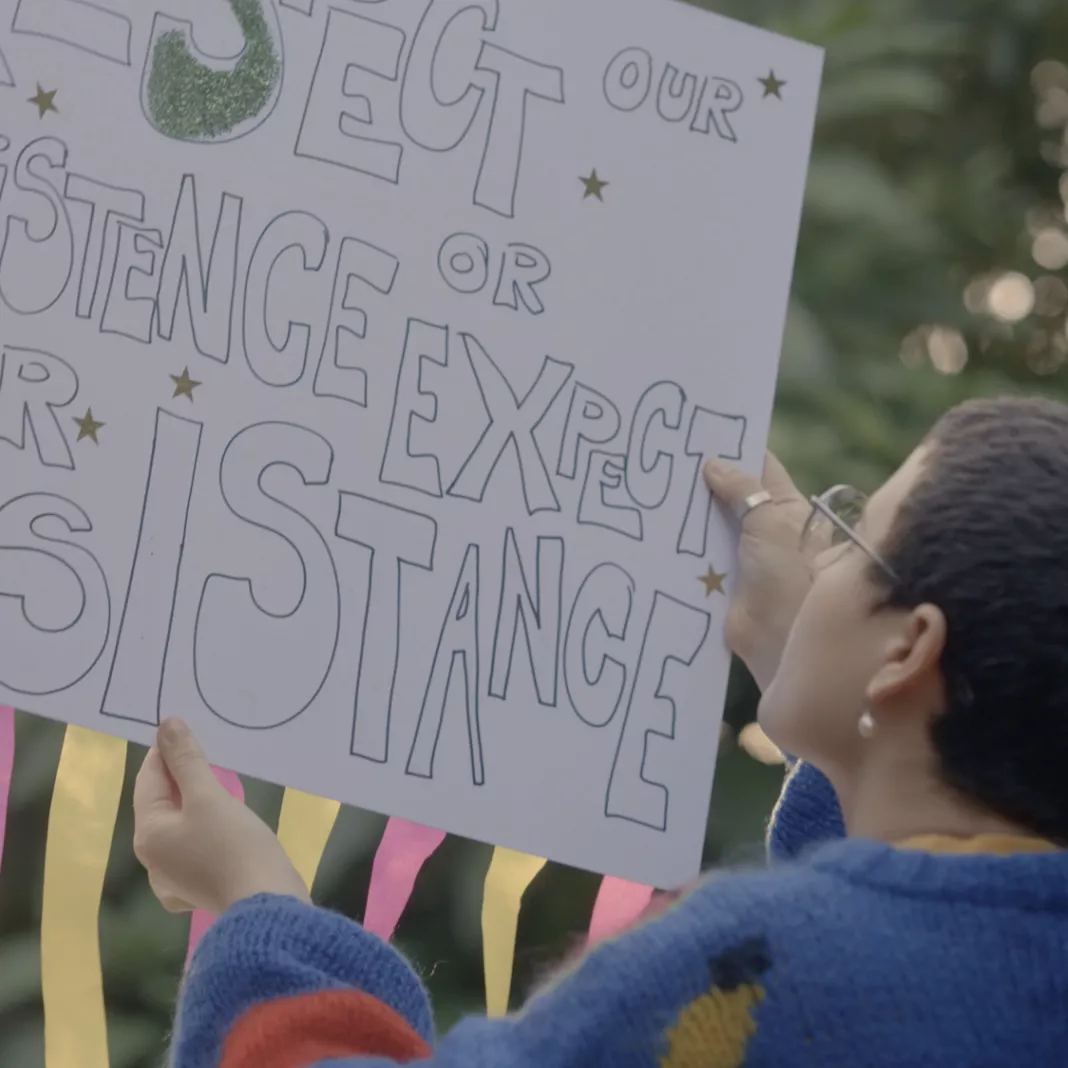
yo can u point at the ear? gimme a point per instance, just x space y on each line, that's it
912 655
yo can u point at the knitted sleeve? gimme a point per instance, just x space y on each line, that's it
807 814
276 983
279 984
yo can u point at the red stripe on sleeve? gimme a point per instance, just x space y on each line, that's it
296 1032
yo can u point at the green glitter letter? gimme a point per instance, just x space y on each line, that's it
190 96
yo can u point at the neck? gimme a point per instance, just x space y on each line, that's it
893 799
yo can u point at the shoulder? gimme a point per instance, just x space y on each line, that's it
727 921
706 973
799 915
736 964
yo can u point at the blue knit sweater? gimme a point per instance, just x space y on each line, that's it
858 955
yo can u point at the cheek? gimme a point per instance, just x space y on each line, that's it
817 693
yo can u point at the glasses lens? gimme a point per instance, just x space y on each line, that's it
846 504
836 514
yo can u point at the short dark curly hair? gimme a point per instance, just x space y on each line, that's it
983 535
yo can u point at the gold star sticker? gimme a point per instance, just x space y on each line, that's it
88 426
184 385
594 186
44 102
712 582
772 85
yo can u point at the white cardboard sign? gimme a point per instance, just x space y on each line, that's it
357 362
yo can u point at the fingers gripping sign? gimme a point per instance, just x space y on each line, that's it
773 576
156 803
201 847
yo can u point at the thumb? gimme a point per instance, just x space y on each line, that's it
154 788
730 484
183 757
777 480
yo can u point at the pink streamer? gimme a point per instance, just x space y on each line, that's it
619 905
7 765
200 921
404 849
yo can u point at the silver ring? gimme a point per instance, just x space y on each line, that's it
753 501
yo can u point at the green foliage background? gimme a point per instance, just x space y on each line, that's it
930 269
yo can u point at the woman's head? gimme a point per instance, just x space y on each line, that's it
946 621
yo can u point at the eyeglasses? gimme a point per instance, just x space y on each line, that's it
833 521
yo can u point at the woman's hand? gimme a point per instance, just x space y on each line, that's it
201 847
773 575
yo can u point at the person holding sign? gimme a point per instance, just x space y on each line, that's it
911 648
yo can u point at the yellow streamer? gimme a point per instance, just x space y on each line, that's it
304 826
81 823
509 875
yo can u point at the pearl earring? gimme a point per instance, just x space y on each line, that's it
866 724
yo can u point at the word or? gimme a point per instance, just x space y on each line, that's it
464 264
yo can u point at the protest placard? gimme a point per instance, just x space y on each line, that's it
359 359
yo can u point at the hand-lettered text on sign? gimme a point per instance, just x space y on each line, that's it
358 362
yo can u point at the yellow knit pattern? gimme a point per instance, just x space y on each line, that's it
714 1030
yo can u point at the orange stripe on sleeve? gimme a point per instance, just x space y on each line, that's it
296 1032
